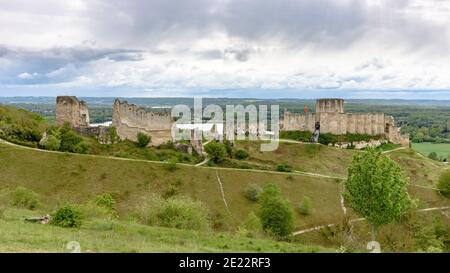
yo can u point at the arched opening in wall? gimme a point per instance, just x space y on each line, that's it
386 128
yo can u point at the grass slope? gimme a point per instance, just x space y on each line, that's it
441 149
60 177
17 235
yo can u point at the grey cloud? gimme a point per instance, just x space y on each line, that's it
321 23
56 64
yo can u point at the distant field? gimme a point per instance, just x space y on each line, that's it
441 149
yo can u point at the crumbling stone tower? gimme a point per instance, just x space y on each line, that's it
70 109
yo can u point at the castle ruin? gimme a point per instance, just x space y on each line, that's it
70 109
331 118
130 120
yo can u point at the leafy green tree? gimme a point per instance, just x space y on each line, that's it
216 151
444 184
376 188
143 140
275 213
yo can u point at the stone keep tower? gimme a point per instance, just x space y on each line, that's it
70 109
330 106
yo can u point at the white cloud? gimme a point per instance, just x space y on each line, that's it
198 45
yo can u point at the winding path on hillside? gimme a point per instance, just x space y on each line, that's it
200 165
303 231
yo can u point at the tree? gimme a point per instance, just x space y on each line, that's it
444 184
216 151
433 155
275 213
376 188
143 140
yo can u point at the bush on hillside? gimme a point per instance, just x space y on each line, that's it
444 184
251 227
252 191
305 207
24 198
284 168
52 143
143 140
275 213
241 154
433 156
112 134
105 201
67 216
70 140
175 212
217 151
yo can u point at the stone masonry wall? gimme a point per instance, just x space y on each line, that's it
70 109
333 120
130 120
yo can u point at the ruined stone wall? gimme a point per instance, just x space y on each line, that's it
370 124
330 106
130 120
329 112
393 133
334 123
70 109
298 122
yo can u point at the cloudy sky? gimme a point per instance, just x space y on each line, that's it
236 48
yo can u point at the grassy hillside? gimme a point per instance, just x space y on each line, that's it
77 178
441 149
102 236
62 177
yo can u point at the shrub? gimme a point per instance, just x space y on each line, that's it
216 151
24 198
112 134
52 143
175 212
306 208
326 138
304 136
275 213
105 201
251 227
433 156
171 166
67 216
143 140
69 141
229 147
81 148
241 154
252 191
283 168
444 184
